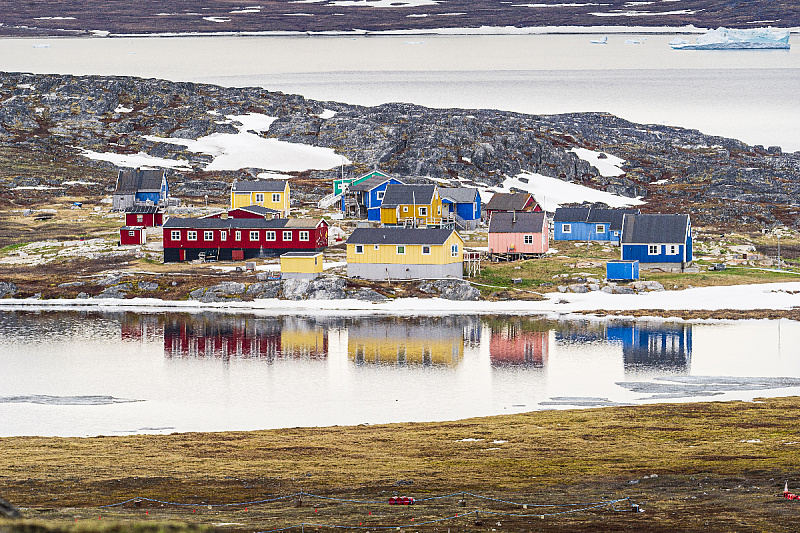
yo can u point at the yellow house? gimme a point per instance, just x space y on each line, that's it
401 253
306 265
272 194
392 342
411 205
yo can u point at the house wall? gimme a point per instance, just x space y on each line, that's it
301 265
120 202
515 242
244 199
152 197
639 252
250 247
585 231
148 220
138 237
373 202
387 253
389 215
379 271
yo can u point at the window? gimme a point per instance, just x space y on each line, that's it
175 235
303 235
191 235
359 248
260 197
426 250
131 233
600 228
377 247
653 249
238 235
276 197
271 235
423 211
405 209
223 235
139 218
315 261
254 235
566 228
379 195
439 210
208 235
287 235
454 250
528 239
401 250
672 249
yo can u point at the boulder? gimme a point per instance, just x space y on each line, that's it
8 511
366 295
263 289
578 288
647 286
623 290
295 289
147 286
327 289
7 289
457 289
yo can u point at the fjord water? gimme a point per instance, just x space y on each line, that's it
750 95
73 373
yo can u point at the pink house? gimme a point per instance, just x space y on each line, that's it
519 234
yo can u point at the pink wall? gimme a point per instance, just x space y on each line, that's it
503 242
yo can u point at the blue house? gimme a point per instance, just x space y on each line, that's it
462 203
363 198
657 241
139 187
589 224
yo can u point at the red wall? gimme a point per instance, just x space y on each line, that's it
148 219
137 238
317 238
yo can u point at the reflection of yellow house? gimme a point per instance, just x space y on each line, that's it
411 205
298 339
272 194
397 343
400 253
307 265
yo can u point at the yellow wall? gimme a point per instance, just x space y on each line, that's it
387 253
244 199
416 350
301 265
389 214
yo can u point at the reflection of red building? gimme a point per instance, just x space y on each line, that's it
136 327
512 345
242 338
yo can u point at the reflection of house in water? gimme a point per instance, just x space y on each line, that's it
519 342
244 337
400 341
662 347
138 327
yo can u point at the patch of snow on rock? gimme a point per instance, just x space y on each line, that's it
607 166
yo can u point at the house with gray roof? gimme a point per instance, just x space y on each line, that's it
412 205
363 197
589 224
519 234
137 187
463 204
657 241
507 202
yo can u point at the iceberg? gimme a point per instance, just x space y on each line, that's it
729 39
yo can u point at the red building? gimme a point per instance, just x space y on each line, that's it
250 211
503 202
236 239
149 216
132 235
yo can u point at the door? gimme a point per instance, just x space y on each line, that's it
182 255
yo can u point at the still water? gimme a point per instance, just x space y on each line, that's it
750 95
80 373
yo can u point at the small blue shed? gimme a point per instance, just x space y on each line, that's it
622 270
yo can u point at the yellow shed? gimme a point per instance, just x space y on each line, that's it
403 253
306 265
272 194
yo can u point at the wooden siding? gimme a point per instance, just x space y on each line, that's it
387 253
212 238
246 198
302 265
396 215
515 242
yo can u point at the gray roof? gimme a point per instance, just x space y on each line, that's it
646 229
459 195
370 183
508 201
143 209
131 228
131 181
257 210
571 214
612 216
522 222
408 194
399 236
259 186
301 254
224 223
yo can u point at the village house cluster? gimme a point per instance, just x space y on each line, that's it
405 231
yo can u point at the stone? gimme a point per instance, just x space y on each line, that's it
110 280
562 288
147 286
647 286
457 289
72 284
295 288
8 511
578 288
607 289
82 296
197 293
623 290
7 289
263 289
366 295
327 289
594 287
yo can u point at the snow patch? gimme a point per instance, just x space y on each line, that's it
608 166
218 20
135 160
326 114
384 3
122 109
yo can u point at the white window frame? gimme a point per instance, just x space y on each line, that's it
673 249
377 247
405 209
527 239
287 235
303 236
191 235
426 247
238 235
271 235
139 218
254 236
439 210
131 233
653 249
276 197
566 228
359 248
379 195
599 228
175 235
401 249
454 250
223 235
260 197
208 235
423 211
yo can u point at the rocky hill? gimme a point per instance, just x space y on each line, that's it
46 121
78 17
